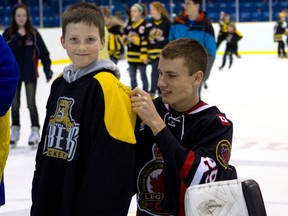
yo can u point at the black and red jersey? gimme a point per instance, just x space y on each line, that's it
194 148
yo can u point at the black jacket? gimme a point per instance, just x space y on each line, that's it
27 53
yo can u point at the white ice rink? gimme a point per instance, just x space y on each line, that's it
253 94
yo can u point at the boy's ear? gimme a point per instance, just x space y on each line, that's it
62 40
103 43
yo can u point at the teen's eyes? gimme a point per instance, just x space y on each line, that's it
171 75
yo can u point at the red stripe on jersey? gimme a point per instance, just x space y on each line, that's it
187 165
200 104
183 174
183 189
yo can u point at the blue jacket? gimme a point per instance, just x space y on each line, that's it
200 30
27 53
9 76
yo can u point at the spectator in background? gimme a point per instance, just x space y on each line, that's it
115 28
157 33
194 23
232 36
9 76
280 30
134 38
285 11
28 47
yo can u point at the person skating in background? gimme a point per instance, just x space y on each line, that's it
115 28
28 47
224 21
85 162
157 33
223 26
134 38
280 31
9 76
195 23
232 36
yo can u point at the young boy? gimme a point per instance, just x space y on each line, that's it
182 141
279 33
85 159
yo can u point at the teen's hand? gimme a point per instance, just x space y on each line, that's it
143 105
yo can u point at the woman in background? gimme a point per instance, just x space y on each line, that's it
134 38
157 33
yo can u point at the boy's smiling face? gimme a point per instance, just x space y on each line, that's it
82 43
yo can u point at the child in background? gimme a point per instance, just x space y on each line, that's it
223 25
115 28
279 32
85 162
232 36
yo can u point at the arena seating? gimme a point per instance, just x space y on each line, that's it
249 10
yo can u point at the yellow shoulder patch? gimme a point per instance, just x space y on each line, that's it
119 118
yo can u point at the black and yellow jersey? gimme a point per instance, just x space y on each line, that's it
87 148
280 31
136 42
157 36
115 41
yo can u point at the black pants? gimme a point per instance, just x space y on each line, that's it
154 76
281 48
30 87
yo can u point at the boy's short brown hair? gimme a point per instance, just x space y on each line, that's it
88 13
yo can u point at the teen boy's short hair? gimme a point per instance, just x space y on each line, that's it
193 53
88 13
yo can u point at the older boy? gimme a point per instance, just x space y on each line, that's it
85 159
182 141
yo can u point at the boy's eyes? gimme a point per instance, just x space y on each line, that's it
88 40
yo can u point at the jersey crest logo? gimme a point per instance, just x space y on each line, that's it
62 132
63 114
155 35
223 152
151 185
